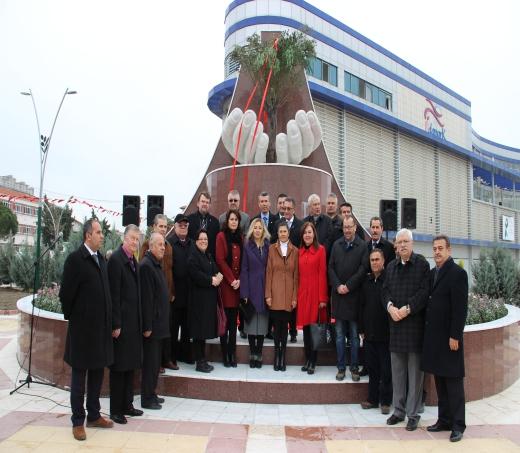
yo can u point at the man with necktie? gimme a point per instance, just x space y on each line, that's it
268 219
377 241
86 304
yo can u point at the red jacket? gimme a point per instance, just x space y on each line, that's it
312 288
230 296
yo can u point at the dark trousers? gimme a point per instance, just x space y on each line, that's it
256 344
377 359
310 355
166 346
94 380
241 321
293 331
228 341
280 333
180 349
450 392
121 391
199 350
150 370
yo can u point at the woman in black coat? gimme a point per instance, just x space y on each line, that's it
123 275
202 308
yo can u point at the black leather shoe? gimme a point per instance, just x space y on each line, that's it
455 436
152 405
312 367
159 399
243 334
203 367
293 339
232 361
269 336
133 412
438 427
258 363
306 366
412 424
118 418
252 361
394 420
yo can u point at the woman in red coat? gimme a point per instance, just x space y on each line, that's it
312 290
228 258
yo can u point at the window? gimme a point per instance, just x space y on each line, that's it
367 91
323 71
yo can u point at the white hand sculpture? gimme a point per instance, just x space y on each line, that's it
302 138
231 129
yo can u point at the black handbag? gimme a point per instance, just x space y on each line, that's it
323 336
247 309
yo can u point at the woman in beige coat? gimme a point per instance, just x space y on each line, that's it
281 289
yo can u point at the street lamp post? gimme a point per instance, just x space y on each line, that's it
44 142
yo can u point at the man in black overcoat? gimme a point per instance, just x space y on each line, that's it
377 241
203 219
123 275
443 351
405 294
85 302
181 244
347 269
155 312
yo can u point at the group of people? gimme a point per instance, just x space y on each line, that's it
270 272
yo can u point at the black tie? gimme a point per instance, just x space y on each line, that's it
435 276
96 259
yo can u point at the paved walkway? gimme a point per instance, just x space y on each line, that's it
38 419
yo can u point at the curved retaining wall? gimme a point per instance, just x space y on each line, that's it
492 353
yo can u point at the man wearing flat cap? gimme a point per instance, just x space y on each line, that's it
181 245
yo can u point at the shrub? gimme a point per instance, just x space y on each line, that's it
48 299
496 276
482 308
7 252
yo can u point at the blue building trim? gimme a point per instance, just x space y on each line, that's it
331 20
496 156
343 101
498 145
259 20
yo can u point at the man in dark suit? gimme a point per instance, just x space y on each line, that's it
321 222
181 245
405 294
347 269
377 241
268 219
233 200
85 302
123 275
279 205
203 219
443 351
155 311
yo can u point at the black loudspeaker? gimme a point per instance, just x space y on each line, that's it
388 214
409 213
154 206
131 205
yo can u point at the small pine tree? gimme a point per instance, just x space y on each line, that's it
7 252
496 275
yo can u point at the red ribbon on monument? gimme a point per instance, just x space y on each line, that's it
262 115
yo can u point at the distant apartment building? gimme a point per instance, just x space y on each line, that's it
19 198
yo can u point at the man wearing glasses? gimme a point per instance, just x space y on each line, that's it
181 244
405 294
233 200
347 269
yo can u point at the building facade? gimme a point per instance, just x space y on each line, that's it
392 132
19 197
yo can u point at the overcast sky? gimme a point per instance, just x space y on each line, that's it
140 124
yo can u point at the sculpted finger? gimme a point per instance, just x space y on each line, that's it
294 142
249 151
228 129
315 127
248 122
261 149
282 153
305 130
